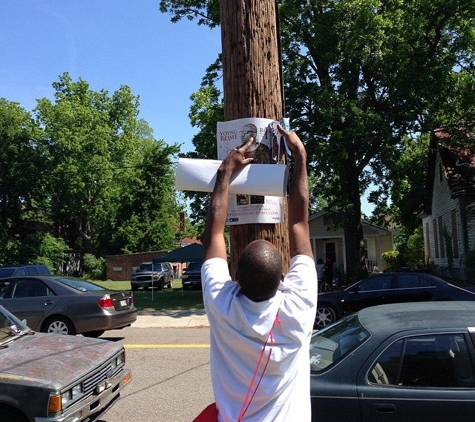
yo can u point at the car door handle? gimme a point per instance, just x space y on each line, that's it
384 407
49 302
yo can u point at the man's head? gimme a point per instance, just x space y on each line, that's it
259 270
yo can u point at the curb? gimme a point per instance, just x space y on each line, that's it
166 318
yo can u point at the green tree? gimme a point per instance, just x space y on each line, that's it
402 196
22 178
108 175
148 217
360 75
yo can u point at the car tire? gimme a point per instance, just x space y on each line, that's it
325 316
58 325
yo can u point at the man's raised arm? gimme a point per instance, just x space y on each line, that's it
213 242
299 233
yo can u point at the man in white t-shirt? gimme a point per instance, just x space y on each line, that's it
243 312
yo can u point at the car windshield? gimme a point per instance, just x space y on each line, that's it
332 344
147 267
78 284
10 327
6 272
193 266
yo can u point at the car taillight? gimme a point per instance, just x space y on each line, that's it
106 302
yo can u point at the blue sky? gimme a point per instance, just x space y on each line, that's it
108 43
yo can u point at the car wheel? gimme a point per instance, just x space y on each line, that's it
93 333
325 316
58 325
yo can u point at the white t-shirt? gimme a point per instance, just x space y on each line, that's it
238 330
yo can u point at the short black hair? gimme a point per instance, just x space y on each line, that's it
259 270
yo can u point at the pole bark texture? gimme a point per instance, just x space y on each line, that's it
252 88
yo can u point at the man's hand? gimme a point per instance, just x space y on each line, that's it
236 160
293 141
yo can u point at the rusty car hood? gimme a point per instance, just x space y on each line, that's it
53 359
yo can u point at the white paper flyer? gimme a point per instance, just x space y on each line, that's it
246 208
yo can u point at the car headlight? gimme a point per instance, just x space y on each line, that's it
71 394
118 361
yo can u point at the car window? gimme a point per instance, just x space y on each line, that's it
425 361
332 344
78 284
20 271
31 287
408 281
194 266
145 267
6 272
31 271
375 283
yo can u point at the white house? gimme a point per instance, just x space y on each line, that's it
328 241
449 221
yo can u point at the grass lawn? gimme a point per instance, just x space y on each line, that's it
174 298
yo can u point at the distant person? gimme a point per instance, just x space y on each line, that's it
328 272
320 270
242 313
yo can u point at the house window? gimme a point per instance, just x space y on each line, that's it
455 239
436 238
441 238
427 241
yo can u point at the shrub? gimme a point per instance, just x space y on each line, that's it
94 268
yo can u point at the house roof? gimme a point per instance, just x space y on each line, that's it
459 166
364 223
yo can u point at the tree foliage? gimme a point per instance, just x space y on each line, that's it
22 178
82 172
363 79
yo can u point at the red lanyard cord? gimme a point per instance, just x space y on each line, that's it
249 397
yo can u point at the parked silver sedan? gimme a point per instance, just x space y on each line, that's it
66 305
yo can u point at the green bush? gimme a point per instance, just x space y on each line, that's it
94 268
392 260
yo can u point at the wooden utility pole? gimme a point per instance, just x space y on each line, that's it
252 88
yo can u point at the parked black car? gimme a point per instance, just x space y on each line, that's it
191 278
45 377
385 288
29 269
398 362
152 275
67 305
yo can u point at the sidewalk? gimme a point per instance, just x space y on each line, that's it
188 318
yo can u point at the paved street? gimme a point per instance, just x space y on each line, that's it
170 368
